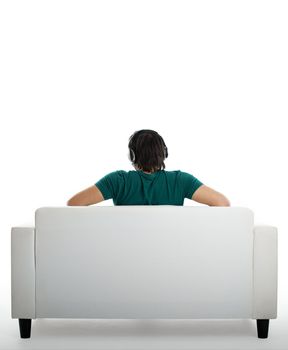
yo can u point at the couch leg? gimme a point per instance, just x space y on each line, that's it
262 328
25 327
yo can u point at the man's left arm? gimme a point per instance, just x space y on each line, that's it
89 196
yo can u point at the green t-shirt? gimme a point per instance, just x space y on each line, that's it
135 187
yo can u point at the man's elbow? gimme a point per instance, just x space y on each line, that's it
223 202
72 202
220 202
69 203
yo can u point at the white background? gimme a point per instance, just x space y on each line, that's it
79 77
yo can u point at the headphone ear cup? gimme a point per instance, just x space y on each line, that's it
132 155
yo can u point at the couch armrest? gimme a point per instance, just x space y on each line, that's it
22 272
265 271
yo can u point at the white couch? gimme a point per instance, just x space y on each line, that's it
144 262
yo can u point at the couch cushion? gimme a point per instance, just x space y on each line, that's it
144 262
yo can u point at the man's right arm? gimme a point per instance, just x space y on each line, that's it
206 195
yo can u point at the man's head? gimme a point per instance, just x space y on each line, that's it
147 150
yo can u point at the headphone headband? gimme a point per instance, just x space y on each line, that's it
136 134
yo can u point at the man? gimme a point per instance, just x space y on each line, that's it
150 183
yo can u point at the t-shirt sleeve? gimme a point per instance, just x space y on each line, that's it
109 184
190 184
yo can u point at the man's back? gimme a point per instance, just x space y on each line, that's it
140 188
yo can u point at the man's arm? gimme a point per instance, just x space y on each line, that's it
207 195
89 196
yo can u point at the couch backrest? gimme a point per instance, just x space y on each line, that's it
144 261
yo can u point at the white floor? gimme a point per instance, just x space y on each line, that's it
142 334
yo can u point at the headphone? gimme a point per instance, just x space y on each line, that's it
132 152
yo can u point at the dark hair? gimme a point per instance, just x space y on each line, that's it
147 150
